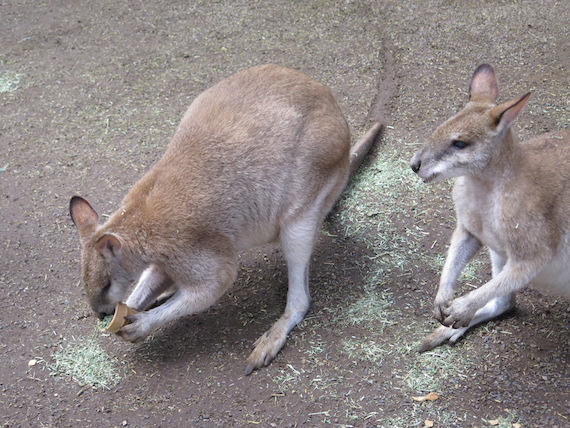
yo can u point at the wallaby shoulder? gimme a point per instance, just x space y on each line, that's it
549 154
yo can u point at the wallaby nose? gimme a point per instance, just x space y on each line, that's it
416 165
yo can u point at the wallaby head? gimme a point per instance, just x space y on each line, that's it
472 140
105 267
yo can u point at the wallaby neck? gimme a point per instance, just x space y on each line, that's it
505 163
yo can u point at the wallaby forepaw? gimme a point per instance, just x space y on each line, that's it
453 322
442 302
138 329
438 312
459 313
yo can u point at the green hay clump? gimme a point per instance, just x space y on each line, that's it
371 311
9 81
86 362
104 323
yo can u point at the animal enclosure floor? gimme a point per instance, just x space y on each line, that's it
91 92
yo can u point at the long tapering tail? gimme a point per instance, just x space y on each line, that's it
359 150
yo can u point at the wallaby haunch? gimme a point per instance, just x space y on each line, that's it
513 198
260 157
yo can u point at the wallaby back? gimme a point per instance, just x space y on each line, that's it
258 158
512 198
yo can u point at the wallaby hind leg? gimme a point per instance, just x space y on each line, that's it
492 309
297 245
497 262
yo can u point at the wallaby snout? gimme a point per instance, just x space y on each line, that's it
421 166
415 164
510 197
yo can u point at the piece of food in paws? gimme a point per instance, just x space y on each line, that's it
118 321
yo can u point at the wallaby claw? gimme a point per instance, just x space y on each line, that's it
249 369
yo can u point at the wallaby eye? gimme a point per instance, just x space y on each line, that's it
459 144
106 287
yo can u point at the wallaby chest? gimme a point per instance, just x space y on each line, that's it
477 209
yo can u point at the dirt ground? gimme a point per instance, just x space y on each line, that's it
90 94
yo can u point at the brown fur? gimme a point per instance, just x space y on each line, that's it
261 157
512 198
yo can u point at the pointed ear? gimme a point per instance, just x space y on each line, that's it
505 114
109 245
483 86
84 216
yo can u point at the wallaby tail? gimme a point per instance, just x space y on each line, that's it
359 150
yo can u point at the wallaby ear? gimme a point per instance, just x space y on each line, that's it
108 245
483 86
83 215
505 114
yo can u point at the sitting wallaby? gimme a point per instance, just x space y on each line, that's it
260 157
512 198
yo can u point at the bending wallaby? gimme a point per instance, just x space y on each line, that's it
258 158
512 198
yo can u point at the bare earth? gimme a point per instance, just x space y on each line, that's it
90 93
